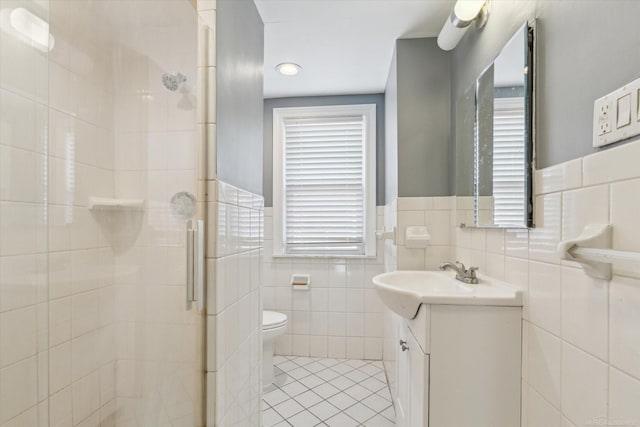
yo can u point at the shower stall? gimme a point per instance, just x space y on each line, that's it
99 156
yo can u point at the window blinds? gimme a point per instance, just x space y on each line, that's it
324 184
509 161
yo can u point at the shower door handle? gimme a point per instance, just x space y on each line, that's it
199 291
195 264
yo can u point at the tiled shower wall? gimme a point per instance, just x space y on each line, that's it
234 321
339 316
581 349
24 341
81 164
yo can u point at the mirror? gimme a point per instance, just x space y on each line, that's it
494 140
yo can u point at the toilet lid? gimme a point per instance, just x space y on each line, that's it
273 319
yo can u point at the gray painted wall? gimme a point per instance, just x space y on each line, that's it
240 50
586 49
316 101
423 84
391 136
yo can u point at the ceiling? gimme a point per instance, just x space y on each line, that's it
343 46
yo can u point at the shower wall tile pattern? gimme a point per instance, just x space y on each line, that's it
24 299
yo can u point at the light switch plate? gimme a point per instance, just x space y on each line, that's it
612 112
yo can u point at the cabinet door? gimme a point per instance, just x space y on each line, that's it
403 378
419 384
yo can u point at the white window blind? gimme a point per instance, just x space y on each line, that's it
509 161
326 194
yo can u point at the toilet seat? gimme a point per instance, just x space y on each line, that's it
273 320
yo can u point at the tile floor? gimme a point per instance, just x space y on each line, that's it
328 392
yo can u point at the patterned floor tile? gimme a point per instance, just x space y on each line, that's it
313 392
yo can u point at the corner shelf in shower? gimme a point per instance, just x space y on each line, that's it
109 204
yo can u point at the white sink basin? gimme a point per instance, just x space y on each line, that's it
404 291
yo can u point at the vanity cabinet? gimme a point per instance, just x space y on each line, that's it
413 381
459 366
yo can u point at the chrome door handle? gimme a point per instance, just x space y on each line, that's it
195 264
189 263
199 291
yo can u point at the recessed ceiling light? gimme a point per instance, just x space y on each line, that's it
288 69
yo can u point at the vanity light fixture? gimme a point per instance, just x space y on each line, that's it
464 13
288 69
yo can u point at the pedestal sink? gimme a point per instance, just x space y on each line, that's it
404 291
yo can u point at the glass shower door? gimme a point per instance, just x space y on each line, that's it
23 213
97 136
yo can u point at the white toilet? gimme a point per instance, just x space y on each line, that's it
274 325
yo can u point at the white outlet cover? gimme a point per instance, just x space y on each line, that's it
611 125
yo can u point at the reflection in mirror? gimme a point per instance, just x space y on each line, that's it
502 144
465 154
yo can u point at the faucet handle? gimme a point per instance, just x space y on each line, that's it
460 266
472 271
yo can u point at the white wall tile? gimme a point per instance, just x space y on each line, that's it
373 348
60 367
355 324
336 347
301 345
495 241
495 265
545 364
355 348
611 165
337 324
624 395
355 301
517 243
415 203
18 335
560 177
18 399
439 227
319 323
624 334
584 312
582 207
540 412
337 299
410 259
545 303
584 386
516 273
625 204
318 346
544 239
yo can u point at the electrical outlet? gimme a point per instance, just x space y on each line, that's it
604 118
616 116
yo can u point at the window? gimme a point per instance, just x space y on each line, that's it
324 180
509 161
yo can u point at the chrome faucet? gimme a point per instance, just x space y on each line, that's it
462 273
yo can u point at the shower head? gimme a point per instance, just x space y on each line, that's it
172 81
